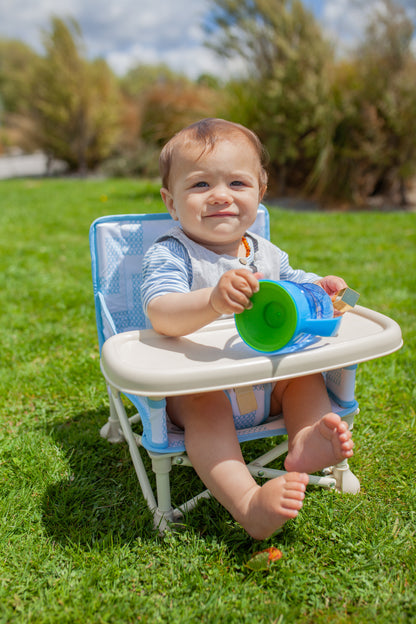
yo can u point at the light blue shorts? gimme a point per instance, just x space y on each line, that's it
262 392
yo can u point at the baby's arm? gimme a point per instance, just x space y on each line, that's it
177 314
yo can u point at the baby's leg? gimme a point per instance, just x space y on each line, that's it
213 448
317 436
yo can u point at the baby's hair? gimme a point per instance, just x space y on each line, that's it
207 132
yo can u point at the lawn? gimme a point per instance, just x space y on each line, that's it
76 539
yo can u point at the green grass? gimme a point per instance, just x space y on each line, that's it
76 543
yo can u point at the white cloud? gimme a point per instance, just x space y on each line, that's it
154 31
149 31
346 20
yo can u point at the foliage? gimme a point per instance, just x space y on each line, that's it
18 63
388 69
340 129
75 102
76 538
371 146
171 106
156 104
285 97
139 78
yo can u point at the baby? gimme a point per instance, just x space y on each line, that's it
208 266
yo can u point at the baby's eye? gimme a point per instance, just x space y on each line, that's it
201 184
237 183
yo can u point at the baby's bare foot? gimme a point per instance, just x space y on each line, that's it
270 506
323 444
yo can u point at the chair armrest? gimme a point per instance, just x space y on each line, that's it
105 323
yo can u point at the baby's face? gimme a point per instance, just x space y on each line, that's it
215 196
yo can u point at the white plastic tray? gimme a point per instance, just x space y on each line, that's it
214 358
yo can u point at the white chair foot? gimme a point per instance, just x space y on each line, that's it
346 481
112 432
166 521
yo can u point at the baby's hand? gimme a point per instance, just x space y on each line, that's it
232 293
331 285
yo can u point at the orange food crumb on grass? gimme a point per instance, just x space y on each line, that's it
264 559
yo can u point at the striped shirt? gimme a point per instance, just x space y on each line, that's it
168 266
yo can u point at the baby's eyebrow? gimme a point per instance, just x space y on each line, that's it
196 175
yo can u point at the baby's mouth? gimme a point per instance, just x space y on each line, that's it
222 214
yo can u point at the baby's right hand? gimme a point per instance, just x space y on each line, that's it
232 293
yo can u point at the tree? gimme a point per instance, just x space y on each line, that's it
140 78
388 75
140 87
284 96
170 106
17 65
75 102
372 150
157 102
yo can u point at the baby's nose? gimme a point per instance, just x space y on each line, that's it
220 195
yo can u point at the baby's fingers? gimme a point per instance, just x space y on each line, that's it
246 281
233 291
240 301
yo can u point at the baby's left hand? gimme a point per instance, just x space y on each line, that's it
331 285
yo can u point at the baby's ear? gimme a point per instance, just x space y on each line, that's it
168 201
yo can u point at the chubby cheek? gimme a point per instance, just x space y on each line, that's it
192 210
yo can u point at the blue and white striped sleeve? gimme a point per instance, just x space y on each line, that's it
166 268
293 275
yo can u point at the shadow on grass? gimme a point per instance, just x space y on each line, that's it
100 501
99 498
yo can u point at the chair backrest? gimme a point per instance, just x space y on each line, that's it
118 244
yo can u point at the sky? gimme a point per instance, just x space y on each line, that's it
129 32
